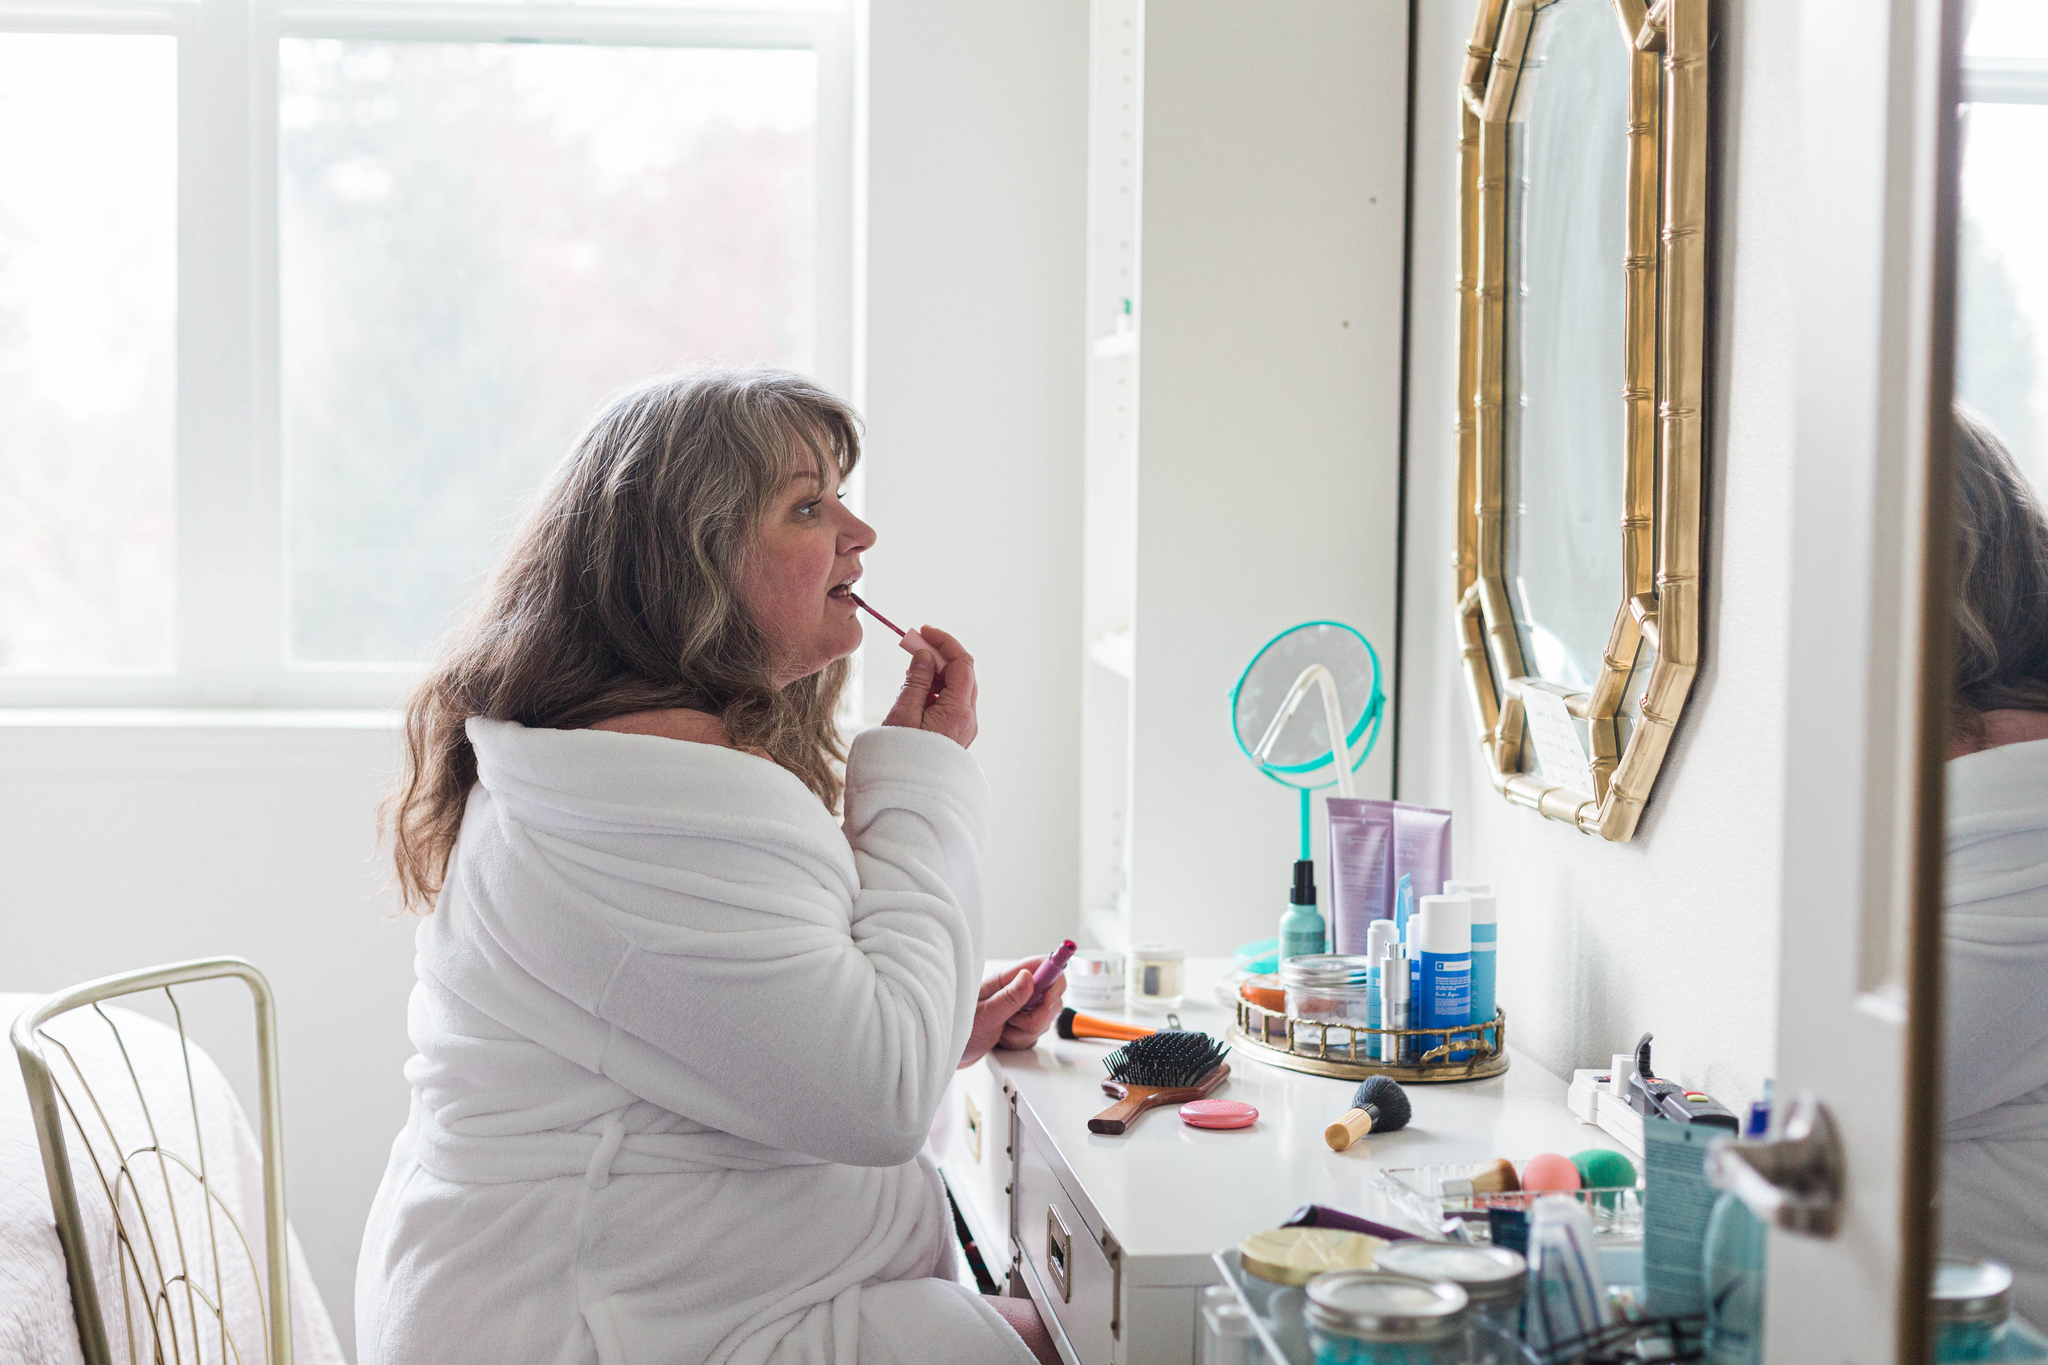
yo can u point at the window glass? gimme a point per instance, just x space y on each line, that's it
481 241
88 321
2002 307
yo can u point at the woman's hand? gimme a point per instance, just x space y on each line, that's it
1000 1019
938 690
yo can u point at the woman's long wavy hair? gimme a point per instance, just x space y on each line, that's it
618 593
2001 580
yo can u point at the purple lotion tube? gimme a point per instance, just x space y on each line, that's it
1041 980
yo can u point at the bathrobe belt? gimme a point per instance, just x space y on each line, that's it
596 1152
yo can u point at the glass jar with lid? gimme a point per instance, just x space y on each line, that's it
1973 1314
1371 1317
1156 977
1492 1277
1329 988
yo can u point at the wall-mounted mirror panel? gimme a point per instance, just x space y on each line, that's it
1582 303
1566 210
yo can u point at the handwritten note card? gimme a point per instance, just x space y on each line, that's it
1558 750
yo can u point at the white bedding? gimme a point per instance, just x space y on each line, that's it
36 1322
680 1039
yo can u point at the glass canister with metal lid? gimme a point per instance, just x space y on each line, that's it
1493 1278
1973 1315
1328 988
1371 1317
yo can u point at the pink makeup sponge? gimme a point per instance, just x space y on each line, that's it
1550 1172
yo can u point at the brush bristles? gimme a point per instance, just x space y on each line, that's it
1065 1026
1385 1100
1169 1059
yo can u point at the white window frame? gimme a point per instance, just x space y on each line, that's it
230 511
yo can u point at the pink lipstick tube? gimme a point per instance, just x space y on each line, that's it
1041 980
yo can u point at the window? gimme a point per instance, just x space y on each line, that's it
2002 308
275 388
88 311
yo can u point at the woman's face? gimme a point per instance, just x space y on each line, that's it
798 575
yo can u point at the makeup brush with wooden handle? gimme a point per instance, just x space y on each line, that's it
1161 1068
1499 1178
1379 1105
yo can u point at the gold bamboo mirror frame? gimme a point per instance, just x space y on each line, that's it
1627 709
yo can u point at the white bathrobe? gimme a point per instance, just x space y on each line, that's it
1994 1180
680 1039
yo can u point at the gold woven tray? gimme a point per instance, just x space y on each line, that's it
1341 1049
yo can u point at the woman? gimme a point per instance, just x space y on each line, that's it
681 1034
1994 1191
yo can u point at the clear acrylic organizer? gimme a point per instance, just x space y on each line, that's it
1418 1191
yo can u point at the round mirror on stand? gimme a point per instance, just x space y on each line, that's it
1286 732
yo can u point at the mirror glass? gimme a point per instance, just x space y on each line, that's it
1567 216
1301 753
1994 1096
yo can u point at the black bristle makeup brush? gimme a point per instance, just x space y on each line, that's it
1161 1068
1379 1105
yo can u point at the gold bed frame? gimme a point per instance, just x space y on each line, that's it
1664 312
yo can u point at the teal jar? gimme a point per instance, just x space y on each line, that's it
1371 1317
1735 1284
1973 1319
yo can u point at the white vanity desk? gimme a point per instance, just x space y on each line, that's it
1140 1214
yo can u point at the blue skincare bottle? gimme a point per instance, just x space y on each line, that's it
1404 926
1301 928
1485 942
1442 931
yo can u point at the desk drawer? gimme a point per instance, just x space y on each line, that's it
972 1139
1074 1268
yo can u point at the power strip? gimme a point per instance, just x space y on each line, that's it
1595 1100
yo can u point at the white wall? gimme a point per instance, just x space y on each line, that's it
126 845
1269 391
1677 931
133 845
977 194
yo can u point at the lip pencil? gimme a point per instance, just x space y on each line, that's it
909 639
861 602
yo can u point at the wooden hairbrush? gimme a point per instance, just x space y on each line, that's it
1173 1067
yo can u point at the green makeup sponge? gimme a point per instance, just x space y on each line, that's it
1600 1168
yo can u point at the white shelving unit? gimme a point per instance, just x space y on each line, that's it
1110 464
1247 176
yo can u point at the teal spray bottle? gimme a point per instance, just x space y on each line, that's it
1302 931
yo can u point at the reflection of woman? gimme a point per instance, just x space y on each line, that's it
1994 1191
680 1033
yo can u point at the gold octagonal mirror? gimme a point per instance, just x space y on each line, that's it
1582 304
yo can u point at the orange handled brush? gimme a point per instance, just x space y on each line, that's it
1072 1025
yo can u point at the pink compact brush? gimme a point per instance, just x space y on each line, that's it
909 639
